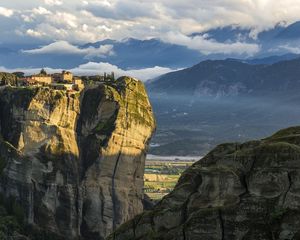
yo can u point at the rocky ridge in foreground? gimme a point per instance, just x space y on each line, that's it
238 191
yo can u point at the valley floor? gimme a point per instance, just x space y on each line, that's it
163 172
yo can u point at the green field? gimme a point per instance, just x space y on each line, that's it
161 176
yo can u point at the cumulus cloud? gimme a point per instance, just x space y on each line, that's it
64 20
40 11
93 20
33 33
198 15
53 2
6 12
94 68
63 47
209 46
58 25
121 9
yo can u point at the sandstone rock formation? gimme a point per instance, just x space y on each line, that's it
75 162
238 191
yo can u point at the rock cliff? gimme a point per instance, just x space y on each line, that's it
75 161
238 191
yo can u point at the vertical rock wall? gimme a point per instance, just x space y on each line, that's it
76 161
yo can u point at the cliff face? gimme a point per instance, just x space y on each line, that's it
238 191
75 162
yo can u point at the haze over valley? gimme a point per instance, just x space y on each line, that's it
223 100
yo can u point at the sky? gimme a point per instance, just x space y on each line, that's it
62 25
94 68
81 21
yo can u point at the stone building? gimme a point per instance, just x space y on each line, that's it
66 76
60 86
42 79
78 84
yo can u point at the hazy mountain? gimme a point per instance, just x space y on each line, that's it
276 44
230 78
227 34
147 53
291 32
129 53
216 101
279 40
237 33
272 59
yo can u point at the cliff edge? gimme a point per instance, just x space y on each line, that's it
74 162
238 191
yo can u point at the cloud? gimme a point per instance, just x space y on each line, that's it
40 11
94 68
33 33
63 47
81 21
53 2
144 74
6 12
121 9
64 20
197 15
291 49
35 14
209 46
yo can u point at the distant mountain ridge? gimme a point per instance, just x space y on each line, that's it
230 78
223 100
129 54
275 45
146 53
290 32
237 33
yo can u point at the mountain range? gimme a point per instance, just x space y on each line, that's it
276 44
223 100
230 78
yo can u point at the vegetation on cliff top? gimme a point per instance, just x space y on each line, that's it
8 79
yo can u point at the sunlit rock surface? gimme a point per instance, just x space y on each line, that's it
75 161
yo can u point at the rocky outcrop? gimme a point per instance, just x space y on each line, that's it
75 161
238 191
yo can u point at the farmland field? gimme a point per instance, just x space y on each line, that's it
162 174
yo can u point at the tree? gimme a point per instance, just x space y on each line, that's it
19 74
43 72
8 79
112 76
